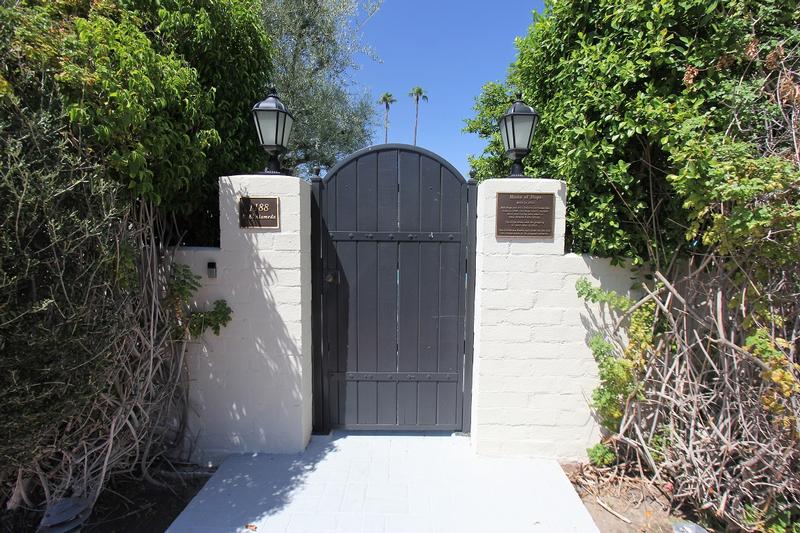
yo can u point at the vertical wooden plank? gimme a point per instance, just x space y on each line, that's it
328 222
451 201
447 394
367 402
387 330
387 190
387 307
348 323
428 351
346 198
366 307
461 406
430 192
427 403
348 305
332 409
428 317
408 307
407 403
350 403
366 330
450 316
409 191
330 305
387 402
367 192
388 217
428 330
408 260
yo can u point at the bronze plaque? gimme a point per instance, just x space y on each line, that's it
525 215
259 213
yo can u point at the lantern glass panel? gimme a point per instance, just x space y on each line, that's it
504 133
266 123
523 126
288 130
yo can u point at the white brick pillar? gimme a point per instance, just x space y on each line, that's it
532 373
251 385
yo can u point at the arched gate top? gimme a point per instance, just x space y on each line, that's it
377 148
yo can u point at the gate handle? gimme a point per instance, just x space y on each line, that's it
332 277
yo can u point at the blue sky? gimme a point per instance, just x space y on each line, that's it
449 48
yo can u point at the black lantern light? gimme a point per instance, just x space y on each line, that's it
274 126
516 129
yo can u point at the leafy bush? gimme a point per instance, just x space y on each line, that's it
617 383
619 373
97 128
59 284
144 113
628 93
601 455
228 46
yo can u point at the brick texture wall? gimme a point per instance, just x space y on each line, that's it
533 373
251 385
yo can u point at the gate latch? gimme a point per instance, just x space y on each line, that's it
332 276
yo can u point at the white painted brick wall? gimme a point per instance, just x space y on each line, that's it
251 385
533 373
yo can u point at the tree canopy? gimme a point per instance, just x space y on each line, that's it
629 93
316 43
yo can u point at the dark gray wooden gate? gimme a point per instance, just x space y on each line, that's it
393 249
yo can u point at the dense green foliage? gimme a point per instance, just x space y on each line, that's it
633 97
227 45
116 118
59 282
99 121
142 112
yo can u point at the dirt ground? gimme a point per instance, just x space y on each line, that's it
639 507
130 506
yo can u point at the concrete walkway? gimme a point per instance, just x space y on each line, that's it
385 484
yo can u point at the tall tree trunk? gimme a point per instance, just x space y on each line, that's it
386 125
416 118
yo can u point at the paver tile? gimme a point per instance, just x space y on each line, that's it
356 483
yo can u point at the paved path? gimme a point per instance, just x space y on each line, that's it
385 484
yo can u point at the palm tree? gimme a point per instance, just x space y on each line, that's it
417 93
386 99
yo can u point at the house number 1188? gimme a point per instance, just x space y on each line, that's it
259 213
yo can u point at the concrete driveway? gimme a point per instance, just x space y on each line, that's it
362 483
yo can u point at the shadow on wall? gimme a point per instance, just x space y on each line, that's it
598 318
245 384
620 279
253 487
